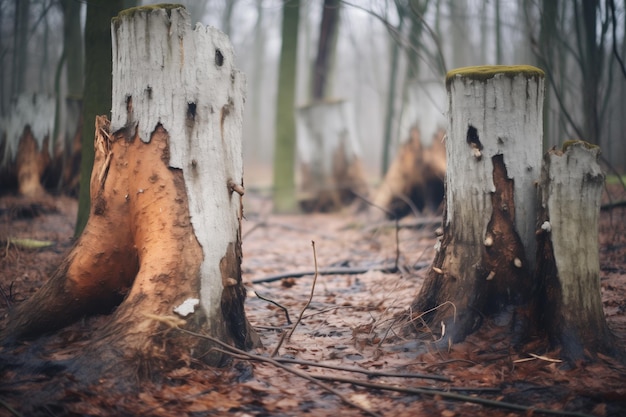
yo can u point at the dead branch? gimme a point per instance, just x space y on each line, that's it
371 374
452 396
241 354
336 271
276 304
310 297
615 204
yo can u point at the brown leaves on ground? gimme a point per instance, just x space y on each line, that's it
350 323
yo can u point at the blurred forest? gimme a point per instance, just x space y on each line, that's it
390 58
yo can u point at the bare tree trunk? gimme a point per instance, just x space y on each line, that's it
164 228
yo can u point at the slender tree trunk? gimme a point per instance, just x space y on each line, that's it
325 48
164 228
285 143
97 90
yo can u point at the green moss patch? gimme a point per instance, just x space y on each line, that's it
485 72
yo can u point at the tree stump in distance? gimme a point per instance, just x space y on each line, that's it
26 143
568 255
415 179
166 191
493 150
329 156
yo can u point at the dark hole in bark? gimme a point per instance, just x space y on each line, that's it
472 137
129 104
191 111
219 58
149 92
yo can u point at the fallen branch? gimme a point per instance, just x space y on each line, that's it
336 271
615 204
370 374
452 396
240 354
276 304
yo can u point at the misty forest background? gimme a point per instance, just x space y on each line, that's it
389 60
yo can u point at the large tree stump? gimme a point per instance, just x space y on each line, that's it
166 206
329 155
488 262
493 155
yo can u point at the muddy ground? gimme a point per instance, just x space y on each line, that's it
349 324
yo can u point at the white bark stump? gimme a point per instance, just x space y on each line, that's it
494 146
569 268
26 143
166 73
166 189
329 155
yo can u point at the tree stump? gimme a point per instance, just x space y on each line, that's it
568 260
329 155
166 204
525 262
26 146
415 179
493 156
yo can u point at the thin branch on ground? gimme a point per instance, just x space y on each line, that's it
277 305
7 301
310 297
241 354
335 271
452 396
371 374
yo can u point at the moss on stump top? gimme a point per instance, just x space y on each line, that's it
129 13
485 72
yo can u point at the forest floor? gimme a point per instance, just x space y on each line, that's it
346 335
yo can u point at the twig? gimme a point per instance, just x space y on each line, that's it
370 374
11 409
6 298
453 396
310 297
336 271
238 353
276 304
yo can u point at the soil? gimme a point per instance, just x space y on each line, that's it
349 323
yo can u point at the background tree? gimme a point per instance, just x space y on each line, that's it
285 142
97 93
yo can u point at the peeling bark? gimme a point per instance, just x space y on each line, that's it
164 226
568 270
482 265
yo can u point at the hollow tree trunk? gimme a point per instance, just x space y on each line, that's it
329 156
27 146
568 260
164 227
493 155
